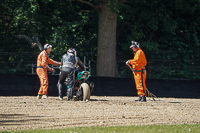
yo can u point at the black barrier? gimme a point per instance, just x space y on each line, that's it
28 85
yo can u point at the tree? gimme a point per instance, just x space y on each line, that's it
156 25
107 27
106 54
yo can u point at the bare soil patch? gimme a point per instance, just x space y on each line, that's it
27 112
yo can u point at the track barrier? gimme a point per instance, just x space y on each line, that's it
28 85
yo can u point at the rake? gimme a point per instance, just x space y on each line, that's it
149 93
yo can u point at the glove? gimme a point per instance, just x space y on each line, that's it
53 70
50 69
127 62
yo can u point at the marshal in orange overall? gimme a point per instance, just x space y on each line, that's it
138 66
42 66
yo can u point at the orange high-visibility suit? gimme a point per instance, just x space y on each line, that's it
42 67
138 64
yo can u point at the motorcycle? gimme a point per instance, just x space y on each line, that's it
82 88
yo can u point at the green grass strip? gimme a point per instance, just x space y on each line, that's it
183 128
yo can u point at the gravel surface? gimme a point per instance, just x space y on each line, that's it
27 112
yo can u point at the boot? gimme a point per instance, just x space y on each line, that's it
60 90
39 96
140 97
45 96
143 99
61 98
69 94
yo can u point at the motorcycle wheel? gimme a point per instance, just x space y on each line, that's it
86 91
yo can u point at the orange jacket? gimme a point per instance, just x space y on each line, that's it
139 60
43 59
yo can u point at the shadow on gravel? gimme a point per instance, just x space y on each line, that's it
65 99
16 119
98 100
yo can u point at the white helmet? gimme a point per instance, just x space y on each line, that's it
72 51
134 44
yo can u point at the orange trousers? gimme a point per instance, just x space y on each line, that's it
140 80
42 74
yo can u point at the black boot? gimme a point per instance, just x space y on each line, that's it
140 97
60 90
69 94
143 99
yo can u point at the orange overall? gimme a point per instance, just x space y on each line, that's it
138 63
42 66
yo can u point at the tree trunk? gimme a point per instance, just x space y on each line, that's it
106 52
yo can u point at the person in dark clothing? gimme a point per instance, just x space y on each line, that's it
69 62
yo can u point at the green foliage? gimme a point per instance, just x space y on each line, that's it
159 26
168 32
59 23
